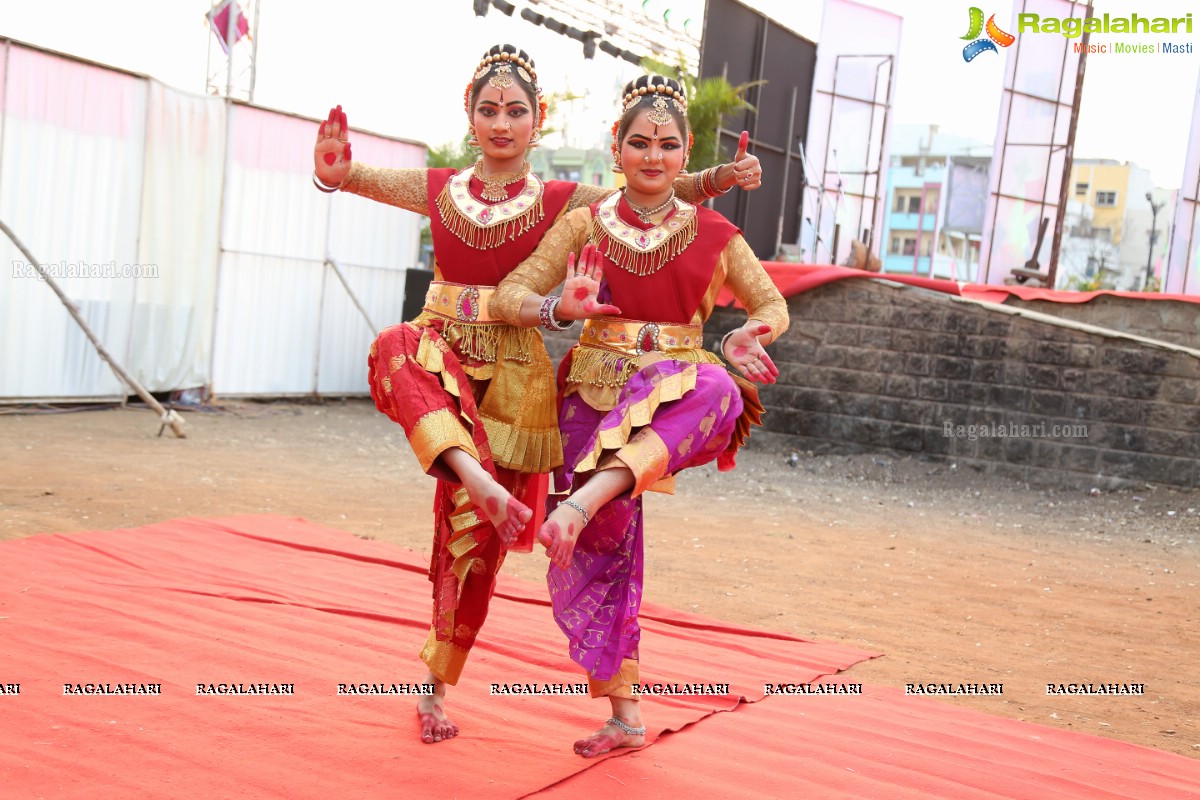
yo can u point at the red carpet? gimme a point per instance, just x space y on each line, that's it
266 600
887 746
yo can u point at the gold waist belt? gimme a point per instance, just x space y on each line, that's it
460 302
635 338
609 349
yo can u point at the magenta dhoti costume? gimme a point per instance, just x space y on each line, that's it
670 415
640 392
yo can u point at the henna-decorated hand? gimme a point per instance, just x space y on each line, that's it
331 155
742 349
582 287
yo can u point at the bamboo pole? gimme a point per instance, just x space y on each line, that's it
167 417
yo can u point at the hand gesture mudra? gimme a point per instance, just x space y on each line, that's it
742 349
331 155
582 287
746 169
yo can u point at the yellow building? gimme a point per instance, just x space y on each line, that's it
1102 184
1118 195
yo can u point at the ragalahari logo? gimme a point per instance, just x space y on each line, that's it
995 36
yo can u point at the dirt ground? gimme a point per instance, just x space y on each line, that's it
955 576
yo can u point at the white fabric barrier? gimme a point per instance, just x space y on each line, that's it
187 230
70 187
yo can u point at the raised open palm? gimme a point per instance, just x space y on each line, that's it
331 155
582 287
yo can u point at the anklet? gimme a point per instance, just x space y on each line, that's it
625 726
582 511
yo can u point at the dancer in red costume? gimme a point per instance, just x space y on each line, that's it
640 399
475 395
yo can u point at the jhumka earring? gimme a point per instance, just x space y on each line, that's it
473 141
536 139
616 167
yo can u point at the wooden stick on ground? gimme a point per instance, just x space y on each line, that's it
167 417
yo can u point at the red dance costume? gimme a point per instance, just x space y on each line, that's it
458 377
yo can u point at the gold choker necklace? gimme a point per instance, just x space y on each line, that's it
644 214
494 185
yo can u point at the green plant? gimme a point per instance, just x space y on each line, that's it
710 100
451 154
1096 283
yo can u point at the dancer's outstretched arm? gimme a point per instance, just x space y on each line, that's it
767 313
334 168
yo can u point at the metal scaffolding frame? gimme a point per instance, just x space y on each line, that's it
1031 268
231 72
868 174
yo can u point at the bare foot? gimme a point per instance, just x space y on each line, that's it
611 737
559 533
506 512
435 725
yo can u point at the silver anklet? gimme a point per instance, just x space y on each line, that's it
625 726
582 511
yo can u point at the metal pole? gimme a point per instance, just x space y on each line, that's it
1069 157
353 297
254 50
230 26
787 162
164 416
1154 209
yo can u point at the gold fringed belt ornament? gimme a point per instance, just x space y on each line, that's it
471 329
642 252
610 350
482 225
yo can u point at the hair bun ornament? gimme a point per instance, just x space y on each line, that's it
658 85
508 54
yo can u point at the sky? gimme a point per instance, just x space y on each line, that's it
399 69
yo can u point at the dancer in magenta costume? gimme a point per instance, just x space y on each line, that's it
640 399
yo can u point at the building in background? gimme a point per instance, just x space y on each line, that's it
592 166
937 191
1120 199
936 196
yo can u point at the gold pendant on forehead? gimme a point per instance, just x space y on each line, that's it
503 78
659 115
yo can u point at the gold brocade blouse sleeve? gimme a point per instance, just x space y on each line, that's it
404 188
752 286
545 268
687 188
585 194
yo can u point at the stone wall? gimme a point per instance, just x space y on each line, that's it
1167 320
869 365
872 366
